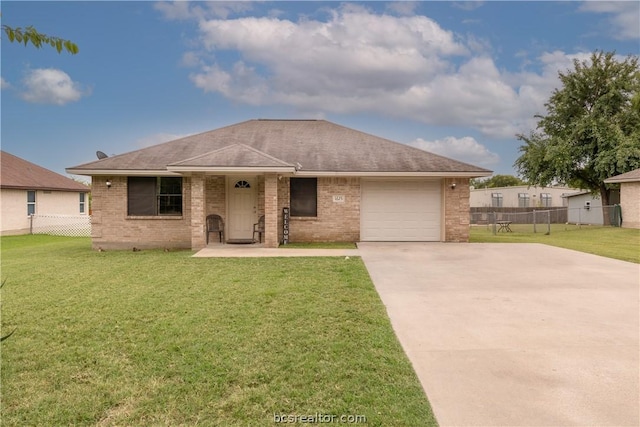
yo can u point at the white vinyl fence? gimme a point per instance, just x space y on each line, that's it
61 225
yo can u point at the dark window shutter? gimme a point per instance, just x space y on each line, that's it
141 196
304 196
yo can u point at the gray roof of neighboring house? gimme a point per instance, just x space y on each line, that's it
17 173
633 176
308 145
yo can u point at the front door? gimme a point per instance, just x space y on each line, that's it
242 207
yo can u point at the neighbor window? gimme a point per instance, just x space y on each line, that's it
496 200
523 200
304 196
151 196
31 202
82 202
545 200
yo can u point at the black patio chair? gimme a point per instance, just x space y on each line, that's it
258 228
215 224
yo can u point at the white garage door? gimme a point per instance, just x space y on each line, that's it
400 210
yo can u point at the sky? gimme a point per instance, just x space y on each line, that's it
460 79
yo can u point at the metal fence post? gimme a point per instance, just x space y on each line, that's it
534 221
493 222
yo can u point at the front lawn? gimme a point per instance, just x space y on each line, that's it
157 338
612 242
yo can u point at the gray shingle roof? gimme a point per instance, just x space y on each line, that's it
18 173
315 145
632 176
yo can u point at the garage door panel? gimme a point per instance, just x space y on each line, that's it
400 210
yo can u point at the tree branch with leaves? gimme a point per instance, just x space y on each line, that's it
31 35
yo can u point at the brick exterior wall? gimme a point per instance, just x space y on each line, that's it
630 204
215 189
336 222
112 229
271 210
204 195
456 209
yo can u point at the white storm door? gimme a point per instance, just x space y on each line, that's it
242 207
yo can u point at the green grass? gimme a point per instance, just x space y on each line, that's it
612 242
155 338
329 245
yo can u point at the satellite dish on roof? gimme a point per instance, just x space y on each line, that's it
101 155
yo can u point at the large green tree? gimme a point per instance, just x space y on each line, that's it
592 127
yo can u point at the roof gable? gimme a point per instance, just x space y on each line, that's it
235 155
18 173
312 145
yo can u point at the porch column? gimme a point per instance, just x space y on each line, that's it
198 202
271 210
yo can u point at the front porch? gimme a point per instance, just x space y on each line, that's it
240 200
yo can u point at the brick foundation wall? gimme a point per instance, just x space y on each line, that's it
630 204
112 229
456 210
336 222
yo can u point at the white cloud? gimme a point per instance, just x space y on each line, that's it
157 138
465 149
467 5
51 86
185 10
357 61
4 84
402 8
624 16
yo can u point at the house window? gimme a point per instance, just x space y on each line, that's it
242 184
153 196
545 200
82 202
523 200
304 196
496 200
31 202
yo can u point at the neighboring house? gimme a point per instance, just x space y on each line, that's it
520 196
585 208
28 189
629 197
339 184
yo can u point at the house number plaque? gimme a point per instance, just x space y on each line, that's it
285 226
338 198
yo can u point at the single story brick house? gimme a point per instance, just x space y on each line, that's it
339 184
27 189
629 197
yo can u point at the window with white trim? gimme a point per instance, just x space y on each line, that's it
523 200
545 200
496 200
83 197
31 202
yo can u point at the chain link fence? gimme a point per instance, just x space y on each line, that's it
528 220
61 225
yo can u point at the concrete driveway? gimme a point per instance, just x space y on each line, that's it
515 334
